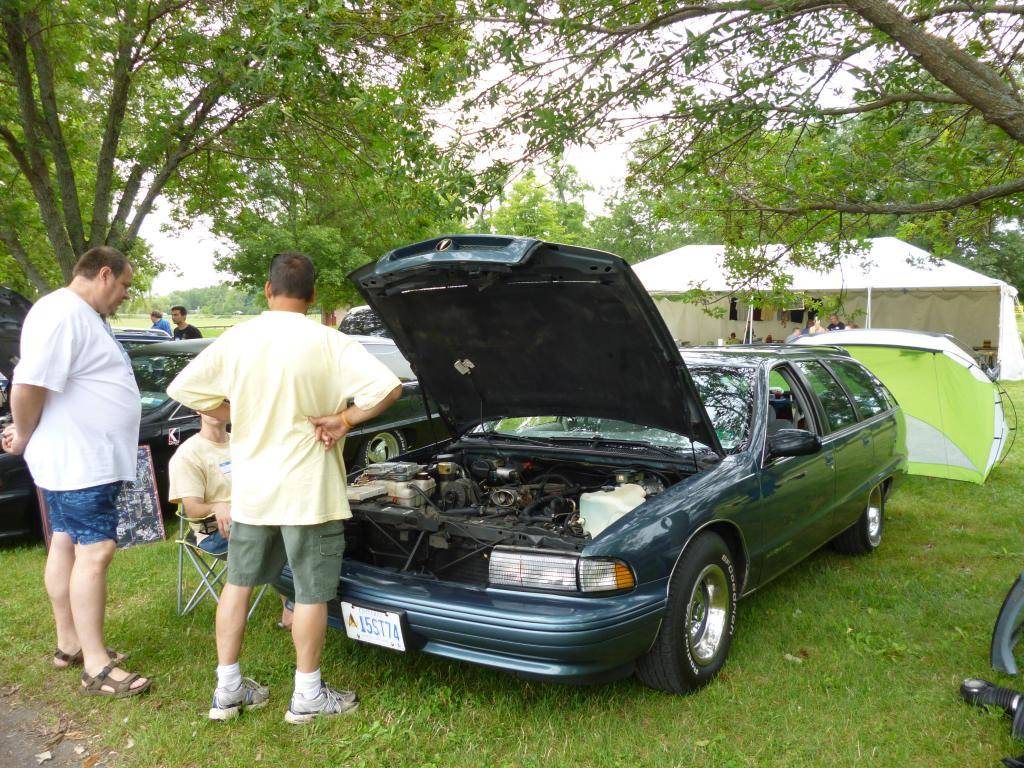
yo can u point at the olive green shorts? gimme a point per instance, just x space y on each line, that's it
257 553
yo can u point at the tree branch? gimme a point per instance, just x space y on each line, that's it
120 84
993 192
38 175
51 124
10 239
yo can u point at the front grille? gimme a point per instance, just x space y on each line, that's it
388 547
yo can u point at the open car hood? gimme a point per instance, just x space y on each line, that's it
13 308
505 326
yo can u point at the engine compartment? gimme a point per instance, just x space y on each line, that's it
444 517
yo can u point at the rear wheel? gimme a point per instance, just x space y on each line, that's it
381 446
864 536
697 630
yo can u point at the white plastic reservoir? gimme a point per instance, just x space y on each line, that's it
600 509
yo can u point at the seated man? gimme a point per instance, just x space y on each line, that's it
200 480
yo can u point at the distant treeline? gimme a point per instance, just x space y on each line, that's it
222 299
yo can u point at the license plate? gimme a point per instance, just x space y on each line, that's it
375 627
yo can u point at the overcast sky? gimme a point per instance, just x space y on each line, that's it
191 252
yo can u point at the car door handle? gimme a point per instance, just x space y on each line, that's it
791 478
866 440
830 459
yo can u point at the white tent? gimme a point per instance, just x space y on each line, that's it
888 284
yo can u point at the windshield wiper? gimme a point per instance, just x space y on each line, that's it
609 442
491 435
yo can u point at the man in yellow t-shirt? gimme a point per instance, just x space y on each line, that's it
289 381
199 477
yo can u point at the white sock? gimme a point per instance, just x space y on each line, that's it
307 684
229 677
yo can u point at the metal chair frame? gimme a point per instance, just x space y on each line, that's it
211 568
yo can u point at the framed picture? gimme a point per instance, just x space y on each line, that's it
139 519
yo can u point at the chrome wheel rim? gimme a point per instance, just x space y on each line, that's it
874 517
382 447
706 614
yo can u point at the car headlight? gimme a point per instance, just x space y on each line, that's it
558 573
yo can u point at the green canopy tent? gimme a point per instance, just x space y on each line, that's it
956 425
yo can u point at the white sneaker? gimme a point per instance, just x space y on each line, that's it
329 702
228 704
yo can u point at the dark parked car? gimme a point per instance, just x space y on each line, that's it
605 499
133 338
166 423
363 321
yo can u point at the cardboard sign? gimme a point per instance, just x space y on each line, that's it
139 519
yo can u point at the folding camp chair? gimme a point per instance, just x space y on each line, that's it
210 563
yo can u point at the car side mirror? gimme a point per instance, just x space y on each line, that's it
793 442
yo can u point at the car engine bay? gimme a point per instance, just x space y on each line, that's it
444 518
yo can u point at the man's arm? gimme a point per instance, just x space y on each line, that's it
26 406
221 412
330 429
197 509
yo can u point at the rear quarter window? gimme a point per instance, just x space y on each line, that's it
838 409
866 390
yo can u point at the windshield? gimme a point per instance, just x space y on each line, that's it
153 373
725 393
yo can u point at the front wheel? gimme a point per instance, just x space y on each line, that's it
381 446
697 630
865 535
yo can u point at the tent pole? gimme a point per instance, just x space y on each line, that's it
749 332
869 306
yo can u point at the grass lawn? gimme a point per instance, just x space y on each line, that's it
883 643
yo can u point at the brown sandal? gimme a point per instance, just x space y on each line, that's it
94 685
76 659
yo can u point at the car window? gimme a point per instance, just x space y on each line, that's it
787 403
153 373
837 406
727 397
363 321
861 385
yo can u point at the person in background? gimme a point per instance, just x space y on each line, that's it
796 334
159 323
835 324
182 330
288 500
732 339
815 327
76 419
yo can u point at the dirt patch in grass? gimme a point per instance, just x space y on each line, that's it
33 737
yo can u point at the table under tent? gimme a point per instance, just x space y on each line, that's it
887 284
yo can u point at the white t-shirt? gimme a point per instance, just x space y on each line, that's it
278 370
88 433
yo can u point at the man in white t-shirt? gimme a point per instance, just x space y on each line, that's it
76 415
289 381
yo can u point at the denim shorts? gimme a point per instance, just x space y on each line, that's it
87 515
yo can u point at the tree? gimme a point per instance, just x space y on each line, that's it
786 120
113 104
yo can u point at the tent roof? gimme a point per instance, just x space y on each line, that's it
887 262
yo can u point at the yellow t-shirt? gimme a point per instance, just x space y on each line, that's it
278 370
200 468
